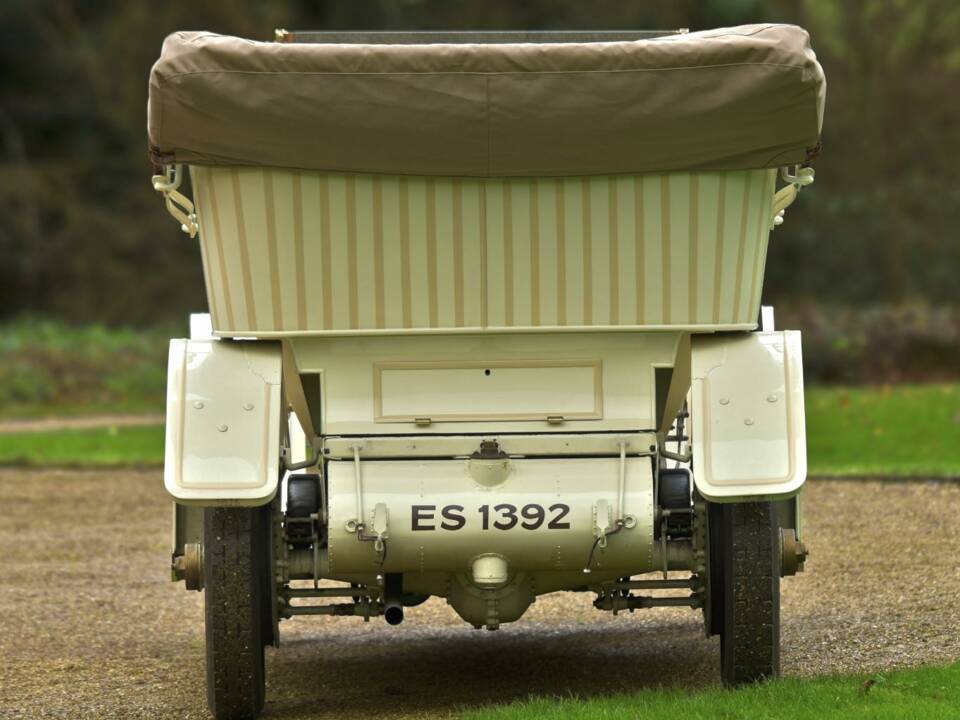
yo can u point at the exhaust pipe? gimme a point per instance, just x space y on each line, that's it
393 598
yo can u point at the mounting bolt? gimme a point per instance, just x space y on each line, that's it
748 421
724 401
198 405
222 428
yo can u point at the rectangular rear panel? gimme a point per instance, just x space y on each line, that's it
454 384
494 390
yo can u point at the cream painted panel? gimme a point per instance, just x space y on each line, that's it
446 446
341 282
393 252
749 438
649 188
496 251
549 244
419 538
364 253
288 221
212 272
348 365
600 252
223 422
705 245
624 259
677 230
495 390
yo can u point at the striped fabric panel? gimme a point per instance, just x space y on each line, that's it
673 249
288 251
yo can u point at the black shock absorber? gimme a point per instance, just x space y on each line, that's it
675 498
303 502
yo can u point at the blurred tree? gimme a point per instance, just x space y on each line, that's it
84 237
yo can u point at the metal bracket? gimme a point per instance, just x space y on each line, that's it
178 204
686 457
358 480
381 522
799 178
312 460
601 522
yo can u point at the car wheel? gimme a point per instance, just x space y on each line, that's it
234 609
750 581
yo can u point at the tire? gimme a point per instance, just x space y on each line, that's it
713 607
750 600
234 611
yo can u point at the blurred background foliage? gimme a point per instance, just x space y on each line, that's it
866 262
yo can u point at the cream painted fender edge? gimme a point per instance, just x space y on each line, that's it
223 422
748 434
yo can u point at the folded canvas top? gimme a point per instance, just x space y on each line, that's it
726 99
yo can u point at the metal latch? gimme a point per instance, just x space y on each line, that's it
381 523
602 522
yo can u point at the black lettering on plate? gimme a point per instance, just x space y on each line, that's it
533 516
453 518
509 513
422 514
562 511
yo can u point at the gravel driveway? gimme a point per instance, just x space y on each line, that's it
90 626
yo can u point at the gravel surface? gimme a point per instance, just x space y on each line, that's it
90 626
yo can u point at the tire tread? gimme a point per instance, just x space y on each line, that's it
235 657
751 628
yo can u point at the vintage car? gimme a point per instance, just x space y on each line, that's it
485 323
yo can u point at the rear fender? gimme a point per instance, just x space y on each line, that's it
224 417
747 412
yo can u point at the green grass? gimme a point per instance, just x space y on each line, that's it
931 693
105 446
895 430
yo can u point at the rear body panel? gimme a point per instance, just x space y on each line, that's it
522 383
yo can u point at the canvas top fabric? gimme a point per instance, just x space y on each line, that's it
725 99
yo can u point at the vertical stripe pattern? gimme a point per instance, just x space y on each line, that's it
288 251
299 254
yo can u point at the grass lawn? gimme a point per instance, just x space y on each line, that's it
930 693
895 430
911 430
103 446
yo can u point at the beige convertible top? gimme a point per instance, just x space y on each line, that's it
732 98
